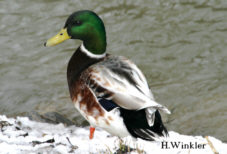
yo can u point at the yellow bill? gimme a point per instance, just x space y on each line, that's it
59 38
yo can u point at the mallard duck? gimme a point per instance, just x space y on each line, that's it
109 91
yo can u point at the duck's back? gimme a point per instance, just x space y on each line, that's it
123 79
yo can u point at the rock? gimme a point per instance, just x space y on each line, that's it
49 117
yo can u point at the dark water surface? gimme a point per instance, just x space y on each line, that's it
181 46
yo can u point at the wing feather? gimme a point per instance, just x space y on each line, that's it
122 81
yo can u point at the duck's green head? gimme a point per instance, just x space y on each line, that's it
86 26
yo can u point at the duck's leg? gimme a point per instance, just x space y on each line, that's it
92 130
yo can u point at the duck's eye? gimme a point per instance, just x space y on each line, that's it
77 23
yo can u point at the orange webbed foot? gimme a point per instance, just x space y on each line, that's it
92 130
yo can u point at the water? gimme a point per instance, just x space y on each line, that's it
179 45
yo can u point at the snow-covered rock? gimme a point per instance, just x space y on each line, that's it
22 135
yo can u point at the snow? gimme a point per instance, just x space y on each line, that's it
21 135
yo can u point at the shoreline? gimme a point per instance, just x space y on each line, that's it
21 135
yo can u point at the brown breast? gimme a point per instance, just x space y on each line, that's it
82 94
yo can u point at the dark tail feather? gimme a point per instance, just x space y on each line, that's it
137 125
